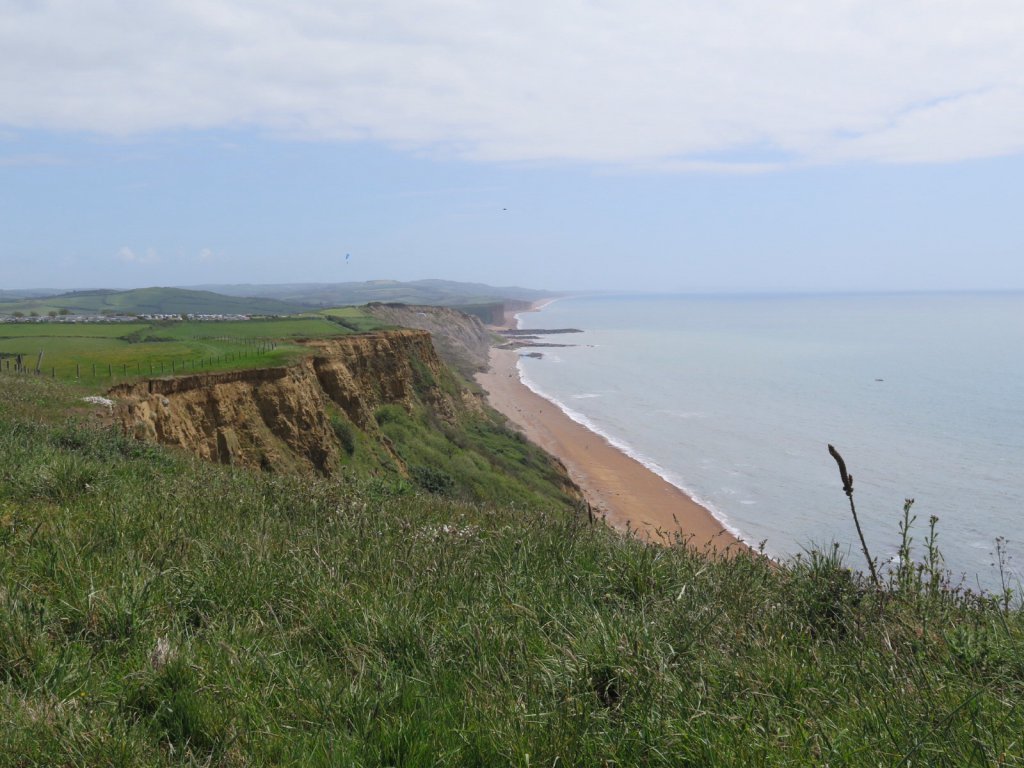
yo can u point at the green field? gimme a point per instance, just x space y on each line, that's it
281 328
106 353
110 330
352 318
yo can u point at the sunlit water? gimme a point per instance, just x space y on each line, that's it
735 399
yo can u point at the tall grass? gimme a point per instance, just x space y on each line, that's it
155 610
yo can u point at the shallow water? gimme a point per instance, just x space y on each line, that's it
734 399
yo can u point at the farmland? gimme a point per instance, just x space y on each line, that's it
106 353
352 318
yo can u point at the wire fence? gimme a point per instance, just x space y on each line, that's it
22 364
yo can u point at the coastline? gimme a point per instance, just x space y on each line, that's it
512 315
628 495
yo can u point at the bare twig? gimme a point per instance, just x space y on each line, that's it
848 489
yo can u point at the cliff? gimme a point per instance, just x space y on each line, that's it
281 418
461 339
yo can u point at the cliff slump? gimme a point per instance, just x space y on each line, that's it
461 339
361 373
278 418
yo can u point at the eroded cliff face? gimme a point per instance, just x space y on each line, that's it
278 418
462 341
362 373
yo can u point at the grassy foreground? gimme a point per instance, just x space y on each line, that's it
155 610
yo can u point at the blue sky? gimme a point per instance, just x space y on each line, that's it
592 145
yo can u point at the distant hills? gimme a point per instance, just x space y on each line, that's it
150 301
24 293
248 299
436 292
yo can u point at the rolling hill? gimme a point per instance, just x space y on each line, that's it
431 292
152 301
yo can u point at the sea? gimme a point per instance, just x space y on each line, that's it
735 399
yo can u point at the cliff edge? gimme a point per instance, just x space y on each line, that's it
281 418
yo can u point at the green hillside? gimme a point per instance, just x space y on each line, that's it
151 301
157 611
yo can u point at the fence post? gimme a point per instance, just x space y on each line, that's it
78 370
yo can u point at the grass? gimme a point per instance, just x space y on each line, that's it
155 610
471 456
353 319
111 330
123 351
475 460
278 328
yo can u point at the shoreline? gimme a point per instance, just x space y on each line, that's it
628 495
512 315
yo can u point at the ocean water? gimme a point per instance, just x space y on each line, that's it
734 400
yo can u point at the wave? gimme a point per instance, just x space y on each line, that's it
632 452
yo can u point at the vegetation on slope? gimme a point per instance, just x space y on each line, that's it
473 457
156 610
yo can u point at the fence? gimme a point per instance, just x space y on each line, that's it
22 364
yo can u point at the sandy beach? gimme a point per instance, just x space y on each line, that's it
621 489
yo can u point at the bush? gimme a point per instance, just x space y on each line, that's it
432 480
343 431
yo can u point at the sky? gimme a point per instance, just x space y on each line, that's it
683 145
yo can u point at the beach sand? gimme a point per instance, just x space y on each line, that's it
621 489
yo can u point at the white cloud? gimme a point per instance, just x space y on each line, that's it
131 256
670 84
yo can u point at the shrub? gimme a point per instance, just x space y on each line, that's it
343 431
432 479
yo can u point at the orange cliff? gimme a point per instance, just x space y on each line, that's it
279 418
